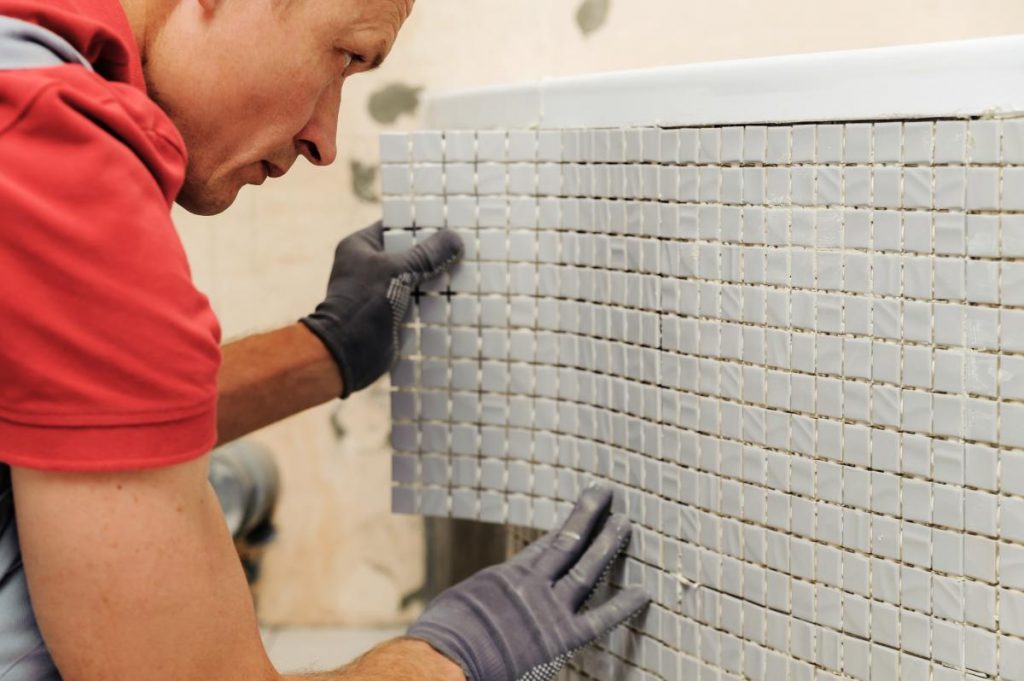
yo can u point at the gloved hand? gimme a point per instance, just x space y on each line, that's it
521 620
367 298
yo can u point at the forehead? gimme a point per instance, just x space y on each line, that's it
377 21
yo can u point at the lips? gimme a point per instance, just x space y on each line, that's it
272 170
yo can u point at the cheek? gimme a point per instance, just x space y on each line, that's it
253 119
253 88
278 99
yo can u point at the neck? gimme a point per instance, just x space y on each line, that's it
136 12
143 16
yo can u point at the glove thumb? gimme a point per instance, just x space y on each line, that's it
435 255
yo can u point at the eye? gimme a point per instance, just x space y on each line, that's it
347 59
350 57
354 62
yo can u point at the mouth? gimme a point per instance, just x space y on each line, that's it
272 170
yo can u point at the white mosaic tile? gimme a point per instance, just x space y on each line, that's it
796 351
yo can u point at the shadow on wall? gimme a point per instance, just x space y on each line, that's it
592 14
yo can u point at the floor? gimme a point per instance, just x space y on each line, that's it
309 649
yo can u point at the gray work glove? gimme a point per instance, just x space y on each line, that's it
367 298
522 620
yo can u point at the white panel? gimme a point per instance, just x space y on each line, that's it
963 78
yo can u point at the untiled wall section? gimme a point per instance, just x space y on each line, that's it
796 351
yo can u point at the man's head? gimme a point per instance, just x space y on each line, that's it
252 84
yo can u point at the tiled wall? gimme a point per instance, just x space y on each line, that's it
797 351
339 555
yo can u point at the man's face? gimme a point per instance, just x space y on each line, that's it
252 84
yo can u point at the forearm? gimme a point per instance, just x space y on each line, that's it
267 377
398 660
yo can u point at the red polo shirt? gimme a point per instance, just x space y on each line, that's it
108 353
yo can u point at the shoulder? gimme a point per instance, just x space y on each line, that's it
70 111
108 344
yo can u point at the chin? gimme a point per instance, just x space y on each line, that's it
204 200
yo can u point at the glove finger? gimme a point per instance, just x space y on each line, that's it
575 535
610 614
431 257
529 555
374 235
591 568
367 239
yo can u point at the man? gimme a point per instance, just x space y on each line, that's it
113 386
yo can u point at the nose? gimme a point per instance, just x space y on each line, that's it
317 140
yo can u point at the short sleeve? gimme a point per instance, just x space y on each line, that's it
108 352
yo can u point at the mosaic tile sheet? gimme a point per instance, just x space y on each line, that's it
797 351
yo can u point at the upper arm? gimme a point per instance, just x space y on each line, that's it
133 575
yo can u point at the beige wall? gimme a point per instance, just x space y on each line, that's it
340 557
